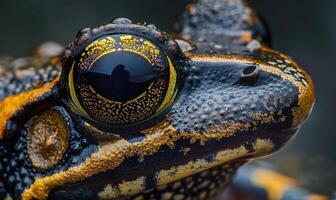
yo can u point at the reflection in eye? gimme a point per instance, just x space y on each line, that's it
122 80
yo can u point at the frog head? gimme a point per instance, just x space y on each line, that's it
135 113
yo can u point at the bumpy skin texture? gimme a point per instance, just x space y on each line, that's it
229 21
237 100
23 77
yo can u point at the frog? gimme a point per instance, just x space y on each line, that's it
127 111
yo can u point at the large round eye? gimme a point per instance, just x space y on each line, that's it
121 80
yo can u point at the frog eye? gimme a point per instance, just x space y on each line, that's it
121 79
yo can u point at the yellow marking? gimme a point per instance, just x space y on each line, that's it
122 108
178 197
170 97
8 198
167 195
263 146
148 43
74 100
104 46
193 167
277 184
306 94
126 37
116 50
274 183
124 189
12 104
146 49
132 187
218 132
102 55
139 198
266 118
109 156
177 185
110 192
245 36
185 150
140 54
203 195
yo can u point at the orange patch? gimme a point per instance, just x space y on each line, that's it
12 104
316 197
275 183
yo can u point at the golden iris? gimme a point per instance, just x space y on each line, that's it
122 79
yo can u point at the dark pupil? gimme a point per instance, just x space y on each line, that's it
121 76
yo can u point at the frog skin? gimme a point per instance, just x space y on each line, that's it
178 126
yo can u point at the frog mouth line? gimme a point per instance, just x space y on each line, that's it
239 150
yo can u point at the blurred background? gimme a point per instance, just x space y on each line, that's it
305 30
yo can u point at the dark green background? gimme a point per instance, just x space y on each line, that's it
304 29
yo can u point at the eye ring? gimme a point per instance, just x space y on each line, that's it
122 80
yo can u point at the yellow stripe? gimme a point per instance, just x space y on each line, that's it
171 92
12 104
74 101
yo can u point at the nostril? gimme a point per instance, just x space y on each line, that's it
249 70
250 75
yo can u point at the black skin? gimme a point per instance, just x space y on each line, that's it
211 94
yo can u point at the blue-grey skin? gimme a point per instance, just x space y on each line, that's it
229 82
